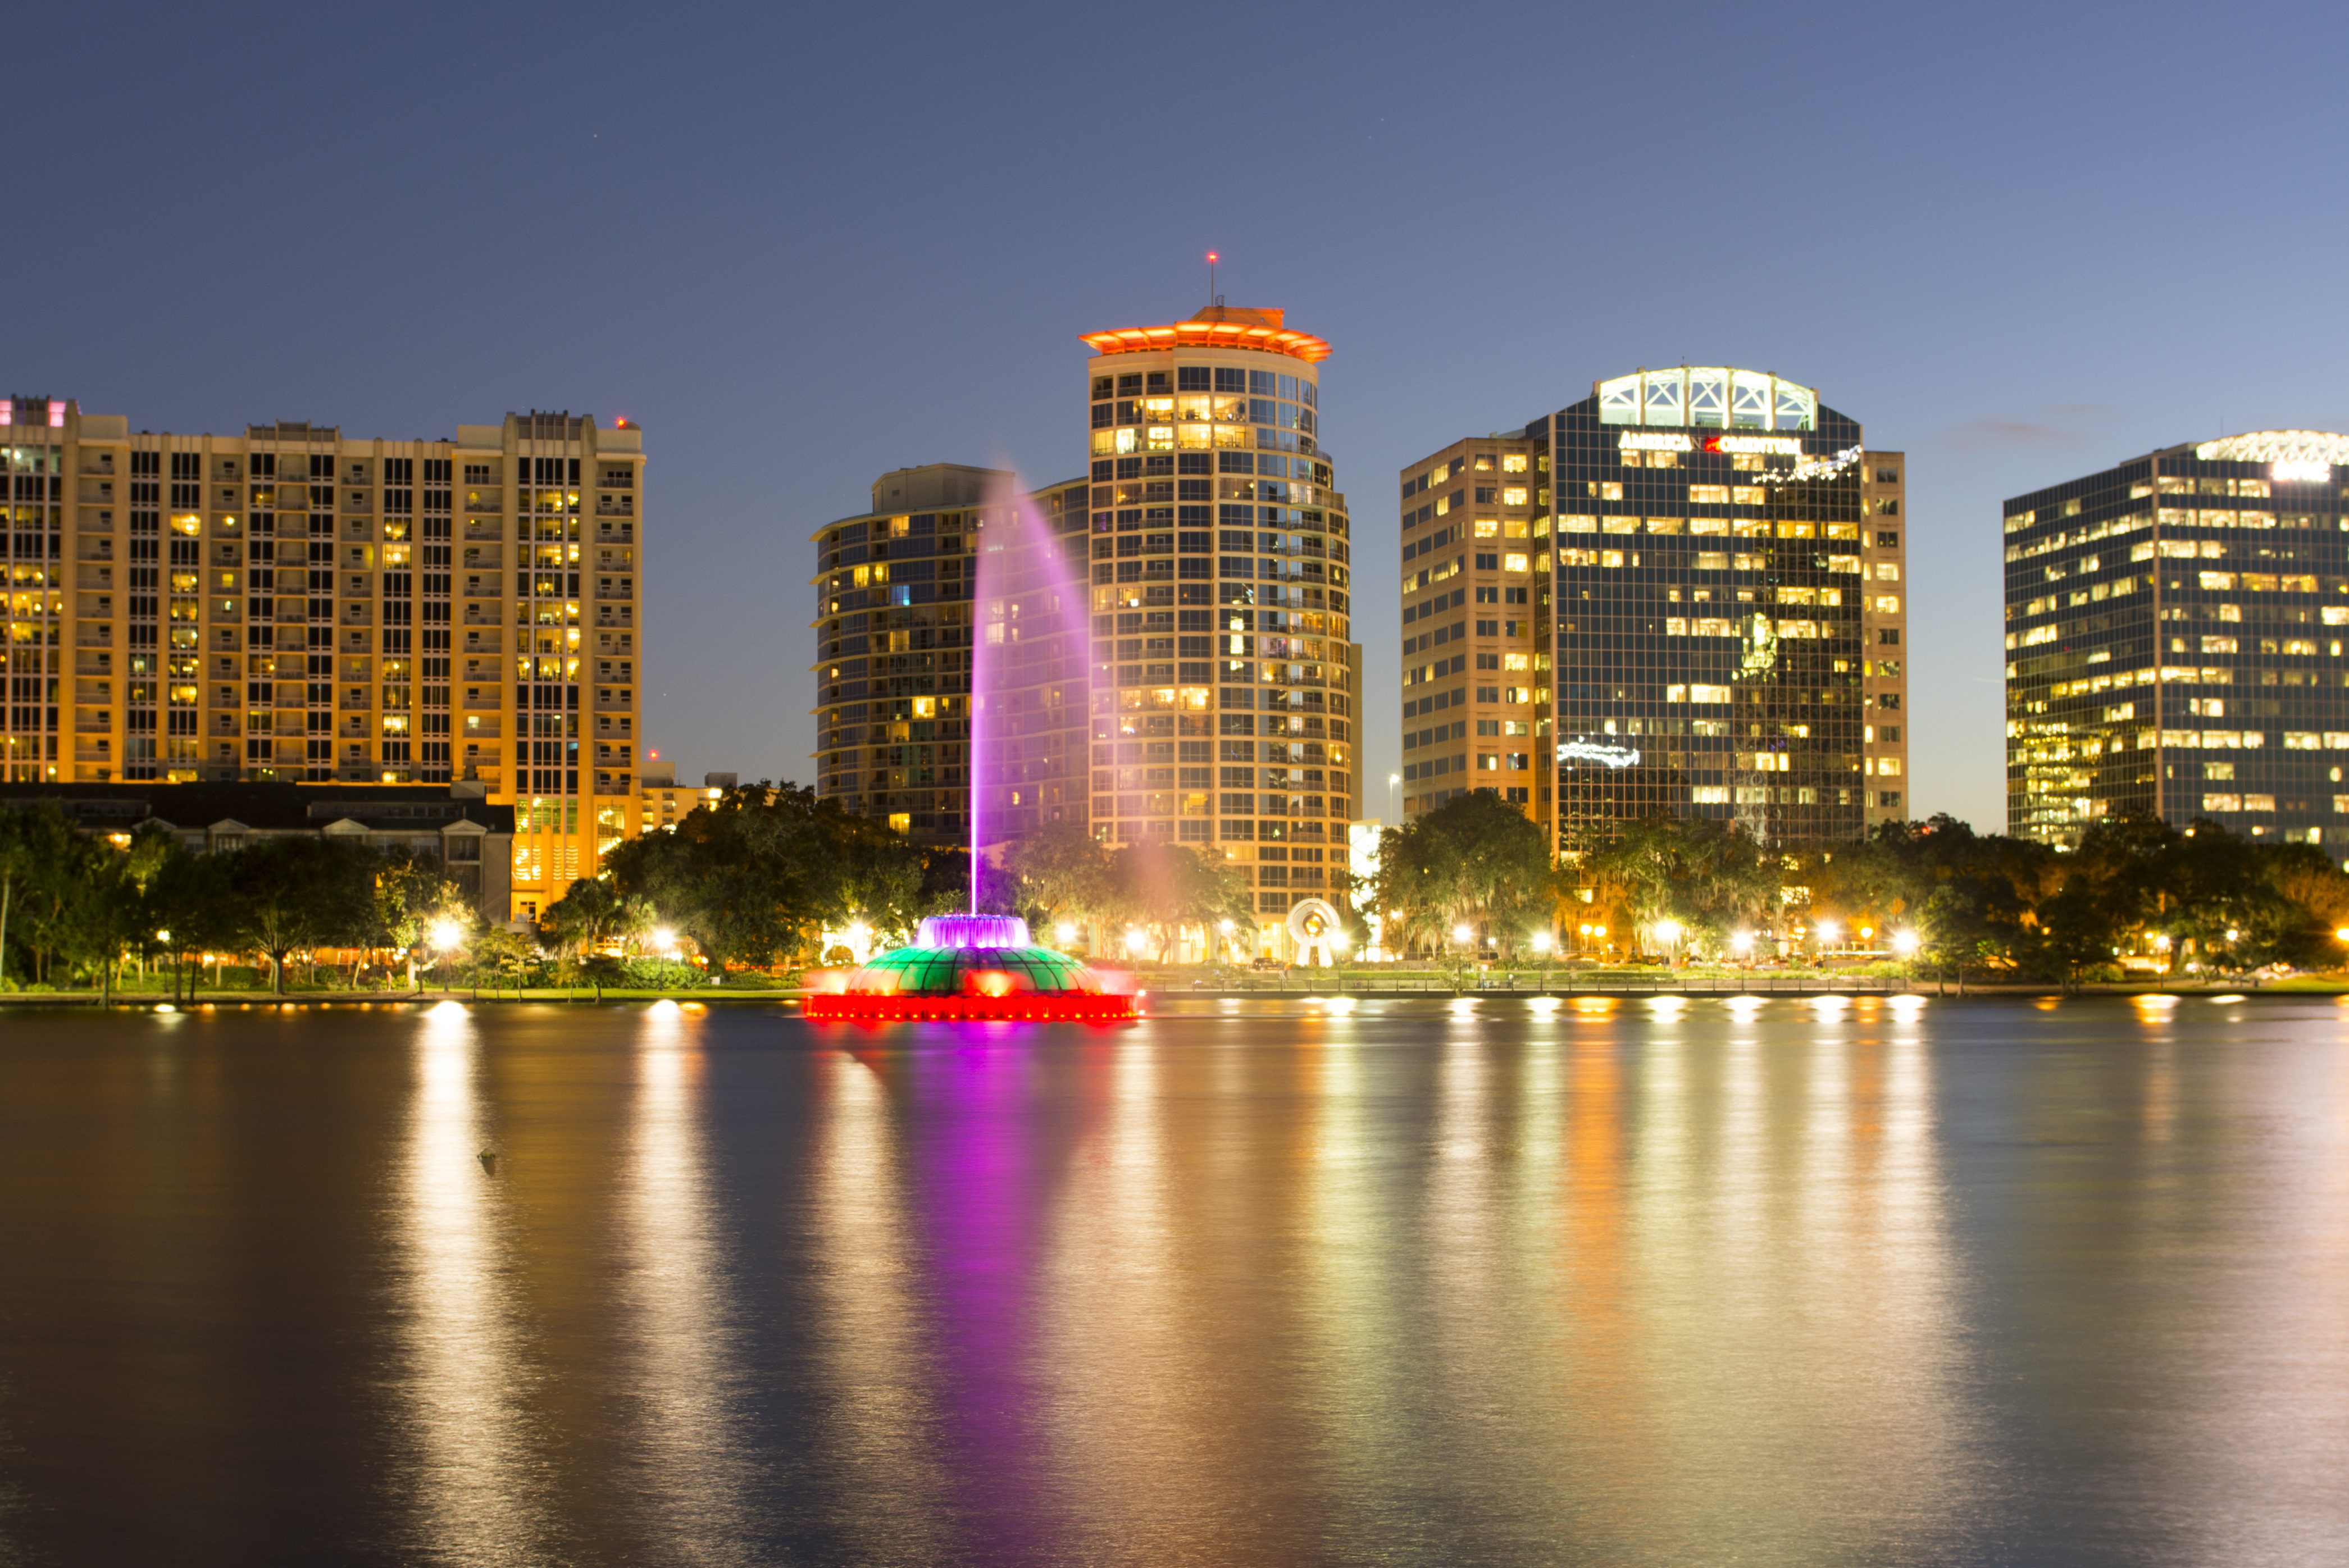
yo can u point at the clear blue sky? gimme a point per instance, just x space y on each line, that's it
804 246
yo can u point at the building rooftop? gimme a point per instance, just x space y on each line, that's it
1216 326
268 807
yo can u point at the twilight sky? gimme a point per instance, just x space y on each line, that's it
804 246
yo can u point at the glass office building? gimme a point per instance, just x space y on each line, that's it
2175 630
1724 557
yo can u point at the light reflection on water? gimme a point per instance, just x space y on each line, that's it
1412 1282
472 1479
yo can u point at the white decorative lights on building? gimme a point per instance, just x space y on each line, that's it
1605 753
1715 396
2292 455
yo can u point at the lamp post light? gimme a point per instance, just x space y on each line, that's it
1543 943
447 937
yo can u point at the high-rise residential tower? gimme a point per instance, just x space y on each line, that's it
2175 628
1729 635
288 602
1224 674
895 620
1475 625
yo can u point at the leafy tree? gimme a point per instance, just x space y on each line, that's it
589 920
1473 861
1063 872
413 897
1707 875
757 875
296 893
501 956
1164 888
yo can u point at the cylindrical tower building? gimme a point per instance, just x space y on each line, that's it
1224 677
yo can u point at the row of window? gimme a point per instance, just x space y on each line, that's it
1205 379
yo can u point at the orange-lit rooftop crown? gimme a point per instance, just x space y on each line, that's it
1217 327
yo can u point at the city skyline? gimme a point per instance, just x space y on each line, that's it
1983 291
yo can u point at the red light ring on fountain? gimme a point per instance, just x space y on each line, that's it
873 1007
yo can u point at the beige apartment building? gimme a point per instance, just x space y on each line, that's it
1475 625
1884 628
289 603
1225 675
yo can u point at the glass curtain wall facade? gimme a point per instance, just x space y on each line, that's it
895 605
1476 624
1224 675
292 603
2175 631
1728 626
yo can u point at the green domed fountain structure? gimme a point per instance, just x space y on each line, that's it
974 966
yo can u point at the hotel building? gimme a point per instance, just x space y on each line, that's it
894 617
1224 674
1725 558
2174 629
288 603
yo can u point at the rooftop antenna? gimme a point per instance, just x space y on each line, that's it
1213 297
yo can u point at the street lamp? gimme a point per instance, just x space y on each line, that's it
1828 930
1064 931
1742 944
446 936
1905 944
1136 941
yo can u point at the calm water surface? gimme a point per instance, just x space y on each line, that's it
1413 1283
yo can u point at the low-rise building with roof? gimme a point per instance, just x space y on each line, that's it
453 823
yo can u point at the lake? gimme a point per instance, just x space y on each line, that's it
1411 1281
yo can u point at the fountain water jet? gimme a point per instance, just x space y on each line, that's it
978 965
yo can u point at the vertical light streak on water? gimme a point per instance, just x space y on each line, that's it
1134 1431
1603 1355
2253 1431
1357 1345
1868 1298
476 1474
874 1358
686 1387
1497 1417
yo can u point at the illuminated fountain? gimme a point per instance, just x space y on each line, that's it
984 965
